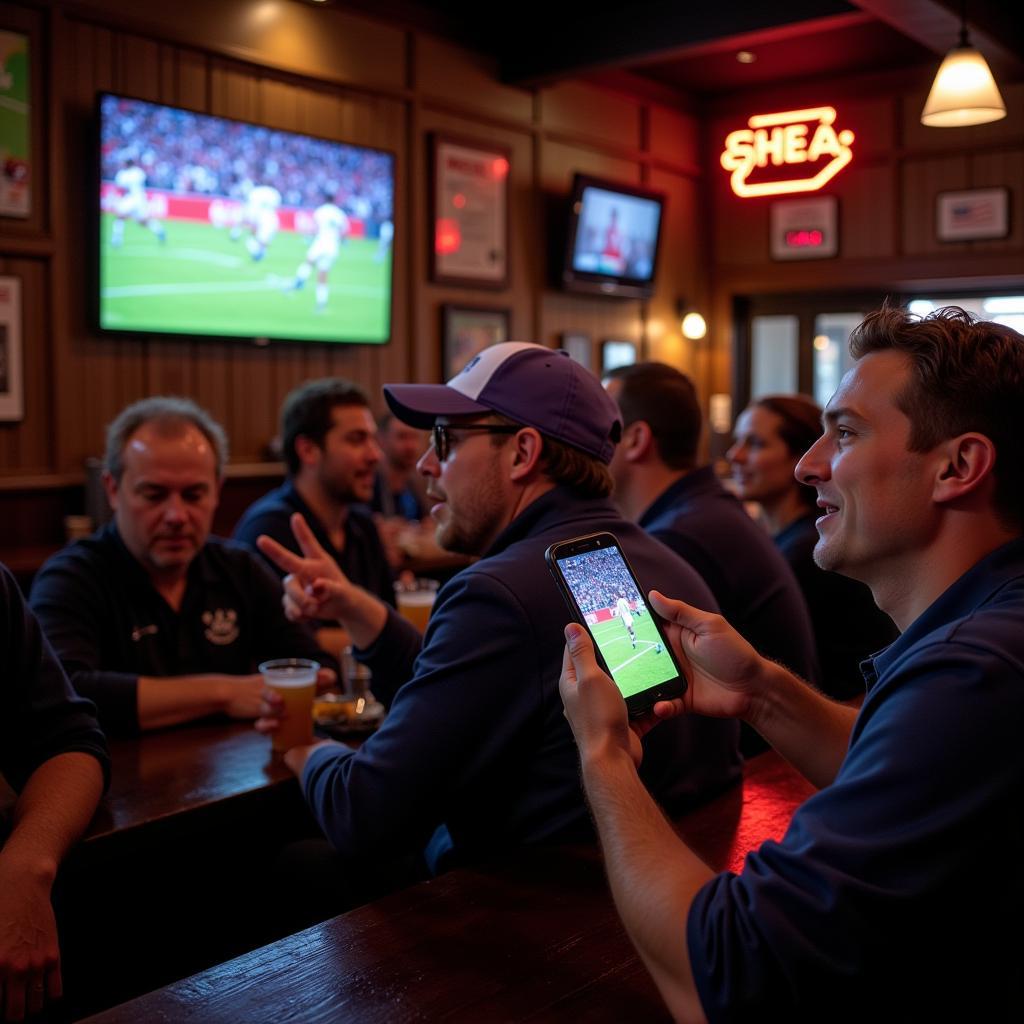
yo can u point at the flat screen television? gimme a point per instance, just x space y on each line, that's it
612 246
220 228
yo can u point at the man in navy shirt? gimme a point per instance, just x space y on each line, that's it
659 485
475 739
896 893
153 619
330 448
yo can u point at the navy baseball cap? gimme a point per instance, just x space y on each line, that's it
533 385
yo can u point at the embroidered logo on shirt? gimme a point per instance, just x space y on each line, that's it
221 626
140 631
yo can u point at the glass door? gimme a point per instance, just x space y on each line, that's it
788 344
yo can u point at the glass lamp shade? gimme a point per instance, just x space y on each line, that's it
963 93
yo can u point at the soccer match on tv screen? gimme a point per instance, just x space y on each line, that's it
218 227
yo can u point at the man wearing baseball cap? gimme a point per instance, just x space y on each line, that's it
475 739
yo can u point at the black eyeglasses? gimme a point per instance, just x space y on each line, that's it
442 434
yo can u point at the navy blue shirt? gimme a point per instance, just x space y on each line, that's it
109 625
410 502
754 587
476 737
361 558
848 625
40 715
897 892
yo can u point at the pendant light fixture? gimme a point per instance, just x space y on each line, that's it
964 91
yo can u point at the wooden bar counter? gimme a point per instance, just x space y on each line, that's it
533 937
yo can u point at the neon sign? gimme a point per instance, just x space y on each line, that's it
782 140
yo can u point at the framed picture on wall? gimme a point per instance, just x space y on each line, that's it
19 138
11 386
805 229
469 213
467 330
579 347
973 214
617 353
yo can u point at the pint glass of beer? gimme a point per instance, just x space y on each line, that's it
415 599
295 680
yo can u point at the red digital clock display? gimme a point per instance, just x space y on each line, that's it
804 238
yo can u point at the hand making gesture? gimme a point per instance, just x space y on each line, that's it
316 588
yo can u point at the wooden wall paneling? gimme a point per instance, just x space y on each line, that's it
560 161
213 375
450 74
1005 168
138 67
866 220
191 80
587 111
739 228
35 437
674 137
233 92
396 358
923 180
873 123
96 374
251 415
598 317
680 271
317 41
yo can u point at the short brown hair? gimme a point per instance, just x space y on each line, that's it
172 416
584 474
967 375
666 401
307 413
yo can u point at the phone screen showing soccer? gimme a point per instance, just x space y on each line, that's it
618 619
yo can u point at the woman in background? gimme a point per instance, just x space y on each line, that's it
771 436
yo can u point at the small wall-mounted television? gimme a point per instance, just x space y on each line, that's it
221 228
612 244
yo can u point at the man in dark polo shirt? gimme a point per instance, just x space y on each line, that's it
330 448
659 485
54 756
153 619
896 894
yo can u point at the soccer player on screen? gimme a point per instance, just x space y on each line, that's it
260 217
132 202
332 225
626 615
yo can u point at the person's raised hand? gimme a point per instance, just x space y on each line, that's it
725 676
314 587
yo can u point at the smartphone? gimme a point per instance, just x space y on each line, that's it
603 595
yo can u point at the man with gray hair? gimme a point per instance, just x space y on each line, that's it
154 620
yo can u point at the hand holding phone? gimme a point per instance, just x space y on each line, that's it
604 596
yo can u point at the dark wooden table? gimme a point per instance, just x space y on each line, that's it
173 780
534 937
166 880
